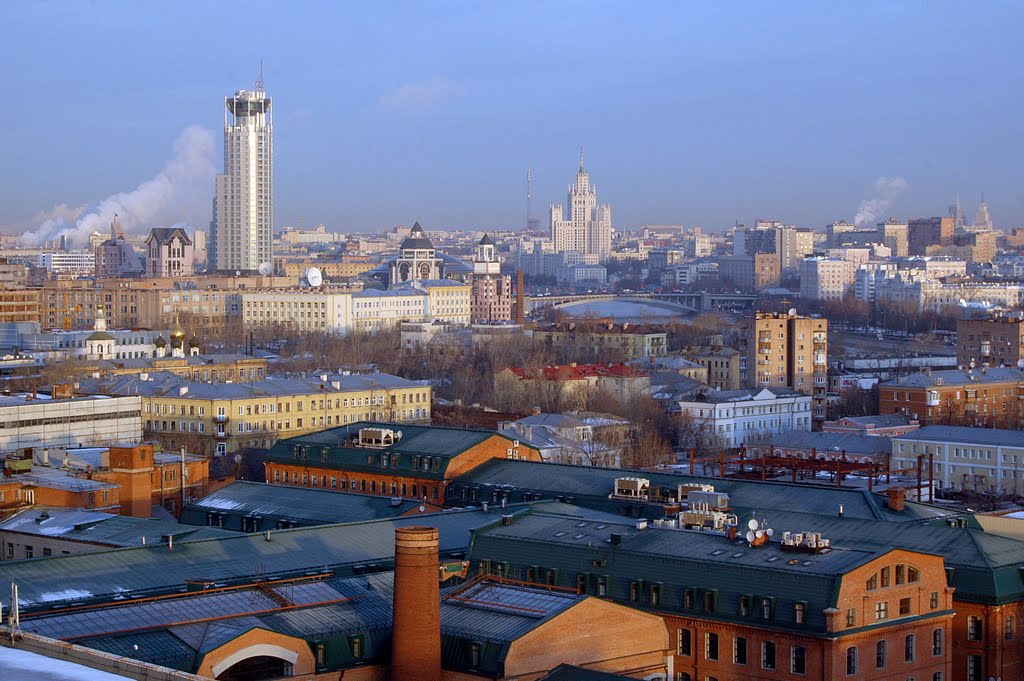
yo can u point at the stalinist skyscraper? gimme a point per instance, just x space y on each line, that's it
589 227
243 210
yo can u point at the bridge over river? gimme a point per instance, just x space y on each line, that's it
681 303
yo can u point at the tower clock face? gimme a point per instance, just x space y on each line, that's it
403 271
424 270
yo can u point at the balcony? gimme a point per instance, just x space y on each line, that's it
932 400
220 418
222 434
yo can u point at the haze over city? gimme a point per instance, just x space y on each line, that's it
795 111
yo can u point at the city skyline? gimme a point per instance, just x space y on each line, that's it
708 118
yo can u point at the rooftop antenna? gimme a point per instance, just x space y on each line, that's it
259 81
529 196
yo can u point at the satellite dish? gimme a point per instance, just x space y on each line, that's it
769 531
1020 363
792 312
422 508
759 534
238 273
314 277
266 269
752 524
238 458
750 536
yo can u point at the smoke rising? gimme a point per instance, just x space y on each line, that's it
181 192
872 209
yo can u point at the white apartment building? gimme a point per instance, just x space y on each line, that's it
68 261
730 418
27 421
241 232
589 226
302 310
867 277
684 274
968 458
370 310
932 295
826 278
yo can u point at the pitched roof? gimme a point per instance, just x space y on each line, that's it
164 235
338 448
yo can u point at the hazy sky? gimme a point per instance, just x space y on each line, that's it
699 113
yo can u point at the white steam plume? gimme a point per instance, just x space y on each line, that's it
181 192
871 209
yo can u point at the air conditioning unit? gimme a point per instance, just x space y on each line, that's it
515 443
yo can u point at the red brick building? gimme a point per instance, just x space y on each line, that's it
397 460
983 397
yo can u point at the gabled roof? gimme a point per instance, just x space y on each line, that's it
164 235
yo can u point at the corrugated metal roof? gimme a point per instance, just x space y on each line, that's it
500 613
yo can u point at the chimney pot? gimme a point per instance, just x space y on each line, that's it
897 498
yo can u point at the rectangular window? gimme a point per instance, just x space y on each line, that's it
799 612
881 610
974 629
1008 628
904 607
933 600
739 650
851 617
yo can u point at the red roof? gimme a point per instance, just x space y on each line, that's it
578 372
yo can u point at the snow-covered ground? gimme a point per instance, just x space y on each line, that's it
21 665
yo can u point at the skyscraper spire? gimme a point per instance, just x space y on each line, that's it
581 158
259 80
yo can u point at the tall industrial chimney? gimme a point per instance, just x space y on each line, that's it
520 286
416 634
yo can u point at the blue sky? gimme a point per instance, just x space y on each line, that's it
690 113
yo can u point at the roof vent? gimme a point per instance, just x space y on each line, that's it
616 539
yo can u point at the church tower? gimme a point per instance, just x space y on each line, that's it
99 344
417 260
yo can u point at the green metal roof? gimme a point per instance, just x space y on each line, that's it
300 506
149 570
333 449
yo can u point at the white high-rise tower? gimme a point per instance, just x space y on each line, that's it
243 211
589 227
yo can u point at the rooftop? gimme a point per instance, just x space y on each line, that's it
297 504
862 445
956 434
927 379
103 528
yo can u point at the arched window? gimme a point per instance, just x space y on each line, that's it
937 636
910 647
881 654
851 660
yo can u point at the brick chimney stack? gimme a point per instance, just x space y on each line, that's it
416 634
897 498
